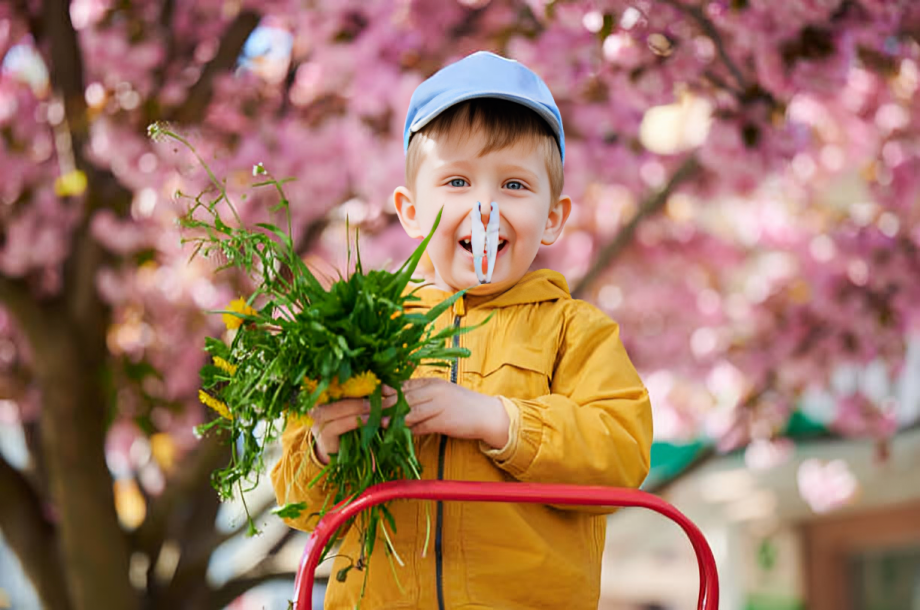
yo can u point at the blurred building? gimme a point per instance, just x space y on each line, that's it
773 550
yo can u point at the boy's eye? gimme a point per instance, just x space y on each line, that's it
458 182
514 185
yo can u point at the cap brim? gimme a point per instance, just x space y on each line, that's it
443 105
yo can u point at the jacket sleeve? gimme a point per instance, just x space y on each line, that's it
292 474
595 427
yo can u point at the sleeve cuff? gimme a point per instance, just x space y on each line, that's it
305 444
310 446
525 438
514 426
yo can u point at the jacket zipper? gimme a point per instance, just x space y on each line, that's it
442 450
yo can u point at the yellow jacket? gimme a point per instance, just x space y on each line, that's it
579 414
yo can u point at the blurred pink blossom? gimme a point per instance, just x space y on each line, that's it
790 253
826 486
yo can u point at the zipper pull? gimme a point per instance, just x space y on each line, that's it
459 307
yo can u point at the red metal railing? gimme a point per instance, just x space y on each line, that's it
472 491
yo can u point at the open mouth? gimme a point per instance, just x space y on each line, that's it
468 245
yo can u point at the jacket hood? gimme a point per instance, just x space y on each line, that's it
534 287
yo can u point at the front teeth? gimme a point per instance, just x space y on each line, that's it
467 242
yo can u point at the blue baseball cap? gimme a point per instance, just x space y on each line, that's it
479 75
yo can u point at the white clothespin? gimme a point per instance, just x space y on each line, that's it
484 240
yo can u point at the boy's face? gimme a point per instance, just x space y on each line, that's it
453 176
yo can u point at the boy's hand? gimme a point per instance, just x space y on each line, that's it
335 419
440 407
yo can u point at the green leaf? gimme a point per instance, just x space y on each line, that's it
221 226
285 240
342 574
359 271
371 533
216 347
389 517
369 429
291 510
435 312
405 272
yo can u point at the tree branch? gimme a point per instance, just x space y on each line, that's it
66 65
709 28
192 530
217 538
73 419
199 97
222 597
195 471
719 82
311 235
18 300
32 537
38 471
169 39
66 74
83 303
647 208
20 11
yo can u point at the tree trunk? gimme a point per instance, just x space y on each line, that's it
32 538
70 368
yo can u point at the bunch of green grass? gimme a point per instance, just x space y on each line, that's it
298 343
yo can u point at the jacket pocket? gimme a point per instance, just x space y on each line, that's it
522 372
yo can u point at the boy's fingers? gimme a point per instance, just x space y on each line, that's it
384 422
419 393
415 391
347 408
419 382
388 391
424 427
337 427
420 412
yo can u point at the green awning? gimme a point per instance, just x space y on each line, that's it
671 460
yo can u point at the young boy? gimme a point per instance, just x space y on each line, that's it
548 393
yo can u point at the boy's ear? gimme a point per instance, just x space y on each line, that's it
558 214
404 202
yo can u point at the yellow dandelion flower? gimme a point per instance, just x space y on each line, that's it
238 305
335 390
360 385
299 421
215 404
357 386
225 366
310 386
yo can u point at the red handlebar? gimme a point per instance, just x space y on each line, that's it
472 491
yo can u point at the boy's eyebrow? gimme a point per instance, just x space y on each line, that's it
515 168
448 165
504 168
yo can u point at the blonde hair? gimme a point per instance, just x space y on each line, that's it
505 123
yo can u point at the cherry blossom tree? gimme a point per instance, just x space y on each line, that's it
745 172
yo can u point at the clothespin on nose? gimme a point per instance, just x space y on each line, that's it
484 240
